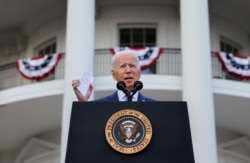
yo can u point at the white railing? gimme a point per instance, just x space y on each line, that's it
169 63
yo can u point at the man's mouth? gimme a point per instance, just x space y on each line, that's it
128 78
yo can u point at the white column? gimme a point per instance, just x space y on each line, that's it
197 78
79 55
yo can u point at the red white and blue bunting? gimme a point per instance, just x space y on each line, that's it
147 55
38 68
235 64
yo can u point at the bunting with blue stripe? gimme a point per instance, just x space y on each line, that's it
38 68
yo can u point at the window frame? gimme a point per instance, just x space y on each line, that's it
235 47
150 70
49 43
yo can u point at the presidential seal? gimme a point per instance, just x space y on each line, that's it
128 131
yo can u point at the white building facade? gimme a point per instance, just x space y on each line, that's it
34 115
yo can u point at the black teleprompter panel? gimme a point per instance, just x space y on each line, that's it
171 140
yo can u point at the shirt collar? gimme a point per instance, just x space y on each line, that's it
123 97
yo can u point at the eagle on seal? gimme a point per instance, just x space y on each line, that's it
128 129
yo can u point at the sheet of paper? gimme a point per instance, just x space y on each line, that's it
85 80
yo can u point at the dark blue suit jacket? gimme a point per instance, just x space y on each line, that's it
114 97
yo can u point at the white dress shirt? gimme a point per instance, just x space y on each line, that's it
122 96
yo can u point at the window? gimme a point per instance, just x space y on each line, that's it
229 46
138 36
46 48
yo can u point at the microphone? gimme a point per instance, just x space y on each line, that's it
122 86
137 86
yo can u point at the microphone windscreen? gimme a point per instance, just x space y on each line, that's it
138 85
121 85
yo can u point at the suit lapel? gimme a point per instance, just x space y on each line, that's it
113 97
140 97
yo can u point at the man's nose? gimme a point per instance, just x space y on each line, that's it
128 68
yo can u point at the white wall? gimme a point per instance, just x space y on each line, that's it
223 27
107 20
109 17
52 29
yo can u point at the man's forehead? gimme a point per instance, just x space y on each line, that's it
120 62
125 57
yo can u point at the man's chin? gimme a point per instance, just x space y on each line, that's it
130 87
129 82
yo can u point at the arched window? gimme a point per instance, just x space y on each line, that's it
46 48
229 46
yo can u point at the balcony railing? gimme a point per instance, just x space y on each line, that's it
169 63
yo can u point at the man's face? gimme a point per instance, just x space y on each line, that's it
126 70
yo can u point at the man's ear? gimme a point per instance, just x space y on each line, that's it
113 74
139 73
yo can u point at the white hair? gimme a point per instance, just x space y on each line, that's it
125 52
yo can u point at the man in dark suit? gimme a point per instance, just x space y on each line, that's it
125 67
